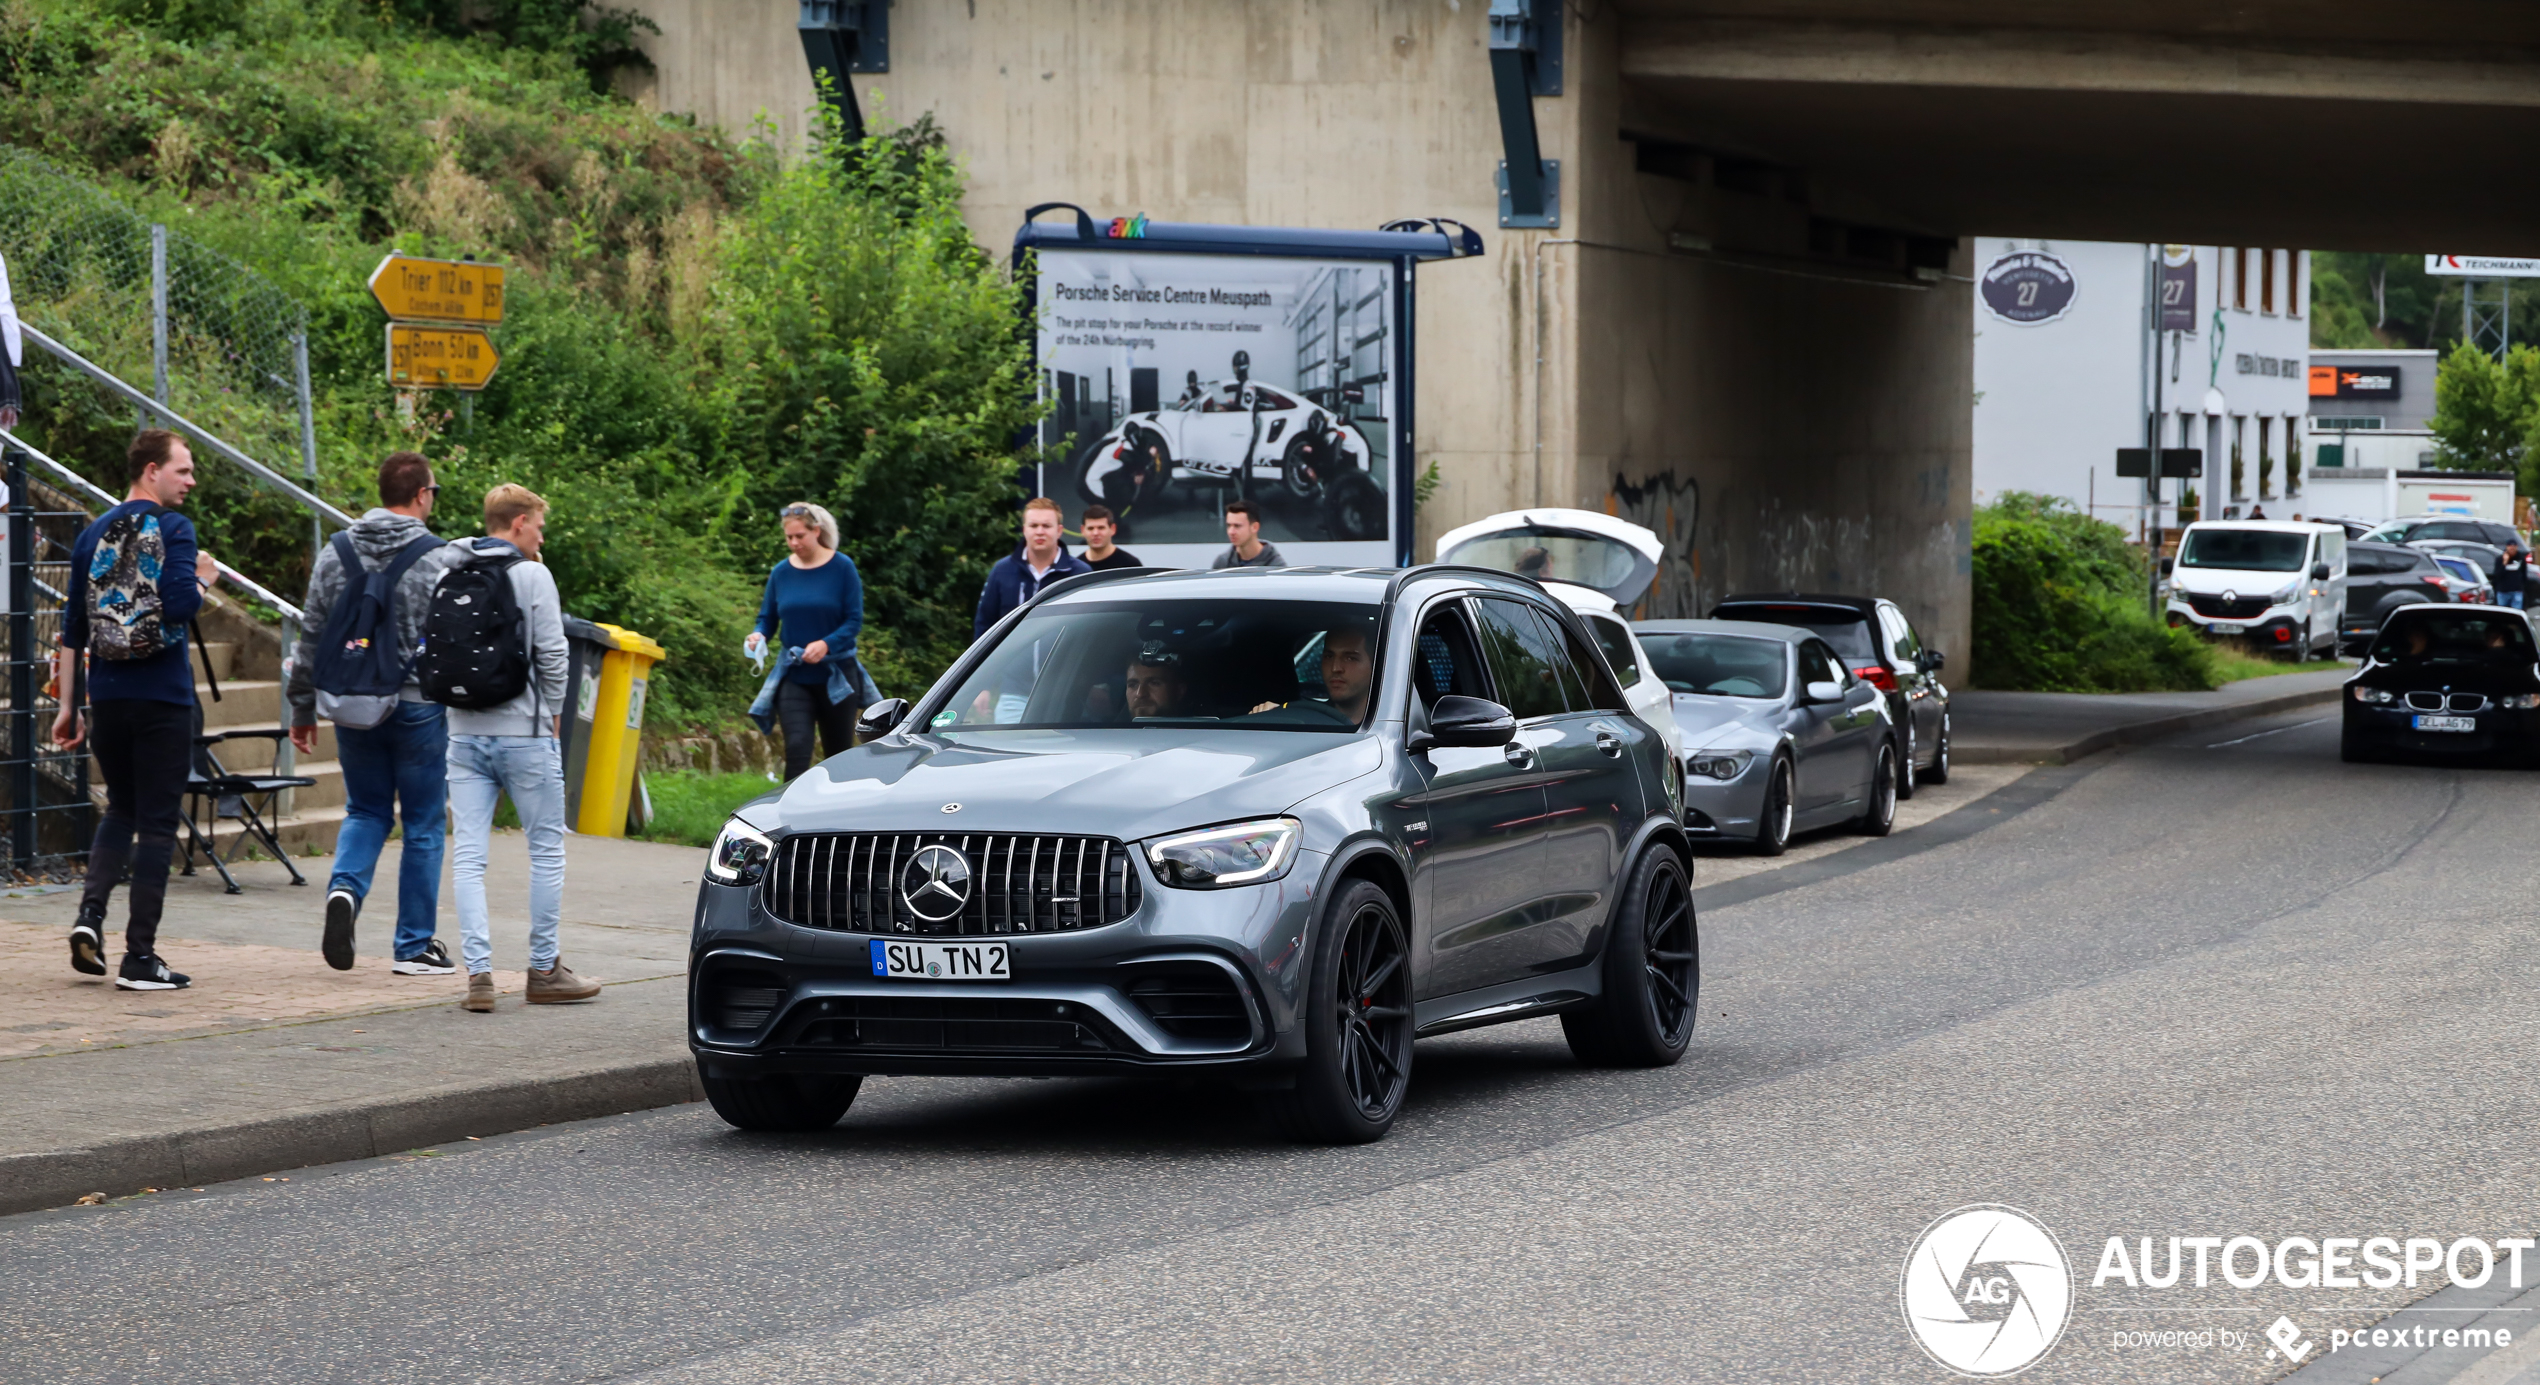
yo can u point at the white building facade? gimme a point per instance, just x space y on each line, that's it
2065 374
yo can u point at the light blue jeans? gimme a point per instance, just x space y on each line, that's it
531 770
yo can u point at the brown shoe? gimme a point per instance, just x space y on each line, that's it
558 984
480 993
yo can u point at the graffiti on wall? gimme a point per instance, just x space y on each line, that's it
1670 509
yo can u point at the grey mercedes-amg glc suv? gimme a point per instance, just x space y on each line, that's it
1273 824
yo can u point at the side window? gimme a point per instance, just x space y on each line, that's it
1615 640
1446 663
1514 647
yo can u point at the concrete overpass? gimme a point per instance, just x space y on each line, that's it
1750 326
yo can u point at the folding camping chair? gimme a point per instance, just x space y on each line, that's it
234 796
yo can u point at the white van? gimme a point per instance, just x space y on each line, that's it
2280 586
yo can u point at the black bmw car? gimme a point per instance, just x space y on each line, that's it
2447 682
1268 824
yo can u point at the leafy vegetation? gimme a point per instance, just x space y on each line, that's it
697 330
2060 606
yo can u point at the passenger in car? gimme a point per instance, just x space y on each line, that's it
1156 684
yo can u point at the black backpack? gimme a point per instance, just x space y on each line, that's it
359 663
475 651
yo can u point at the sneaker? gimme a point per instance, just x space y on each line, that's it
341 910
480 993
557 984
88 944
148 973
434 960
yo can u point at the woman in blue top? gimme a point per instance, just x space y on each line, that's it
813 611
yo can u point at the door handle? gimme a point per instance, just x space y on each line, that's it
1610 743
1518 753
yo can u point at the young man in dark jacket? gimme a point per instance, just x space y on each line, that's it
400 762
1035 563
141 716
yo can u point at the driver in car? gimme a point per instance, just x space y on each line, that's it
1349 673
1156 685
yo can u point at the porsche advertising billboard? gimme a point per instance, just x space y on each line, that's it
1184 374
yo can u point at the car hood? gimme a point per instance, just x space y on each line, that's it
1725 723
1115 781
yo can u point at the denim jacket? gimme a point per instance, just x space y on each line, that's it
843 687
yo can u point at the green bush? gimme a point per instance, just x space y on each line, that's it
2060 606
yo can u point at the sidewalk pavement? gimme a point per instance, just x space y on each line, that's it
272 1060
2029 728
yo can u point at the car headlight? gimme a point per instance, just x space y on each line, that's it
740 853
1722 765
1243 853
2375 697
2284 594
2520 702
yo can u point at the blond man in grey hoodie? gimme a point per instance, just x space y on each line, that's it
512 749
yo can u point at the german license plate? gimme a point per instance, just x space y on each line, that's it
904 961
2444 723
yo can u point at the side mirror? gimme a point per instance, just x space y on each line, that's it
878 719
1828 691
1466 721
2319 572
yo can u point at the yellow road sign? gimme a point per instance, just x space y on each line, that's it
447 358
439 290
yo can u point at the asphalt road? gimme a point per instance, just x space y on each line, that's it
2217 987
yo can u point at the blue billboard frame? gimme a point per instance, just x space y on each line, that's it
1397 242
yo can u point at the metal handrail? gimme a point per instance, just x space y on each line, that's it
262 472
95 492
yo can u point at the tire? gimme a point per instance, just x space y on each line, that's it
1772 825
1357 1018
785 1103
1354 505
1879 818
1653 974
1939 771
1906 779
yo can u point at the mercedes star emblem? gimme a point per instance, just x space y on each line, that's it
936 883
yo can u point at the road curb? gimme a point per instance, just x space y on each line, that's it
2138 732
53 1178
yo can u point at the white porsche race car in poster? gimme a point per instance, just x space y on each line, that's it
1233 438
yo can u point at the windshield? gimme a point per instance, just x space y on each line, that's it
1847 631
1719 665
2455 637
1266 665
2244 550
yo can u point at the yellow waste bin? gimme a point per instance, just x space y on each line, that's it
610 668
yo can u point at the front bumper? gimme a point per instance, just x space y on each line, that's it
1193 979
1727 809
2500 732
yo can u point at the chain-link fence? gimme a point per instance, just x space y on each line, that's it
207 336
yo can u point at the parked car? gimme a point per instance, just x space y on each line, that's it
1879 645
1782 737
1123 835
1229 435
2276 583
2417 528
2465 580
2381 578
2446 682
1595 564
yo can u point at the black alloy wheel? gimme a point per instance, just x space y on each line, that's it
1772 826
783 1103
1653 974
1939 771
1879 817
1357 1015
